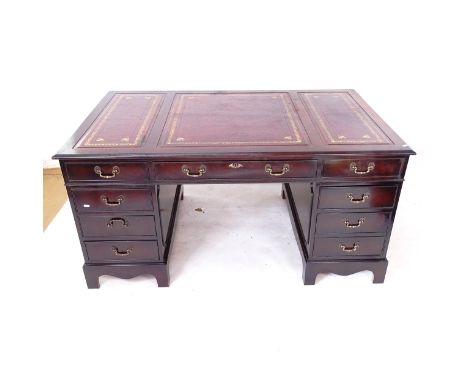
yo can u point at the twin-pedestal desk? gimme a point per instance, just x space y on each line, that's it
341 167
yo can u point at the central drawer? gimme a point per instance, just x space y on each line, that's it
259 170
117 225
122 251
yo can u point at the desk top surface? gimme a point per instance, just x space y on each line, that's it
186 123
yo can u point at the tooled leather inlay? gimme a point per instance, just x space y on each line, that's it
124 122
233 119
342 120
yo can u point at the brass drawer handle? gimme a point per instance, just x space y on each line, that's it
121 253
236 165
269 170
118 202
354 225
362 199
115 171
370 168
111 222
187 172
354 248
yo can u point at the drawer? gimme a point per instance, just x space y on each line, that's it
352 222
349 248
115 199
117 225
122 251
107 172
258 170
363 167
357 197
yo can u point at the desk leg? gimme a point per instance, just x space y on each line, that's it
125 271
313 268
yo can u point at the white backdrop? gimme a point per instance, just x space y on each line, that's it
406 58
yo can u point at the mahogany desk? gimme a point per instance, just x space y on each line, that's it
341 167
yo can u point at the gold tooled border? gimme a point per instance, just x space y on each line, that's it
175 117
98 124
366 120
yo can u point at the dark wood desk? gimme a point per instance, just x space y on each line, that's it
341 167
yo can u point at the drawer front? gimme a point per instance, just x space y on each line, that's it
117 225
363 168
357 197
122 251
107 172
349 248
352 222
115 200
256 170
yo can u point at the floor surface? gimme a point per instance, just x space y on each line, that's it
237 309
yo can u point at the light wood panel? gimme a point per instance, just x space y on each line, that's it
54 195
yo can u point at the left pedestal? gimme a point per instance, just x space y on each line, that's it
125 222
131 243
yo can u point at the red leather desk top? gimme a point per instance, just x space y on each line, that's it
215 123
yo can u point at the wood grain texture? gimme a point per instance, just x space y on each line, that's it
122 251
92 272
363 168
107 172
115 225
54 195
358 197
116 199
352 222
349 248
313 269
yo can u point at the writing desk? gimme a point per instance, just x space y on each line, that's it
341 168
